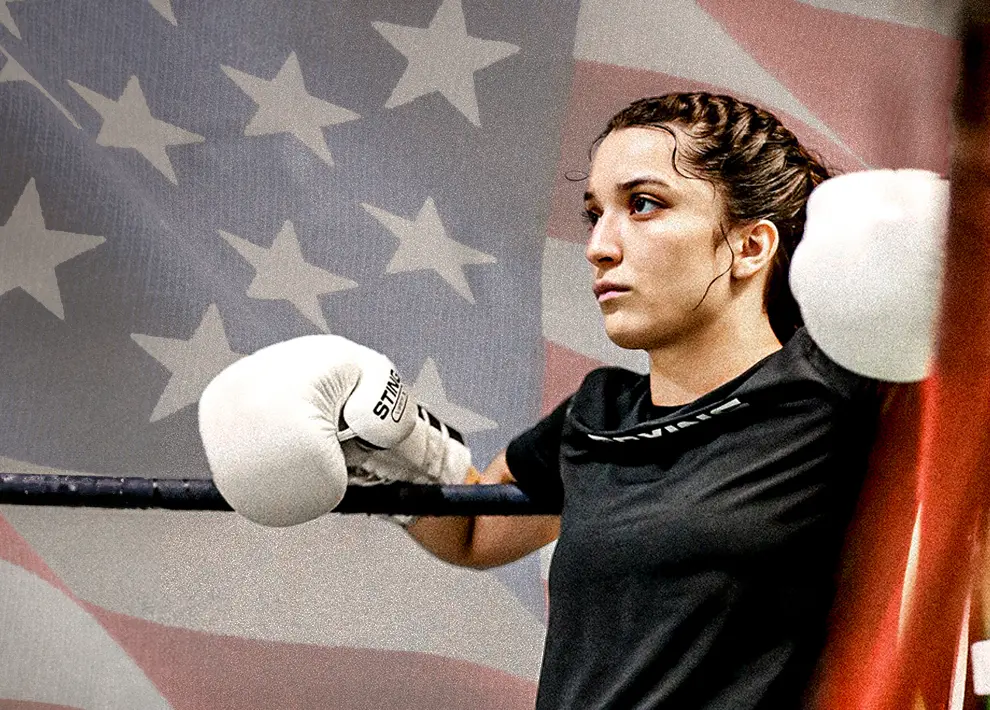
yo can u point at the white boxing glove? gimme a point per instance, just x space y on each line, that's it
273 425
867 274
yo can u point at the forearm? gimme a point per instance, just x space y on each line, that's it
485 541
452 538
448 538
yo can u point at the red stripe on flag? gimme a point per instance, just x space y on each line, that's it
201 671
15 549
565 369
885 88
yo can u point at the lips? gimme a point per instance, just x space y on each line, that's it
608 289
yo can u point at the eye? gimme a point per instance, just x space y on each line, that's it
642 204
589 217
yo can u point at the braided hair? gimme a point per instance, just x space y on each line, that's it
759 167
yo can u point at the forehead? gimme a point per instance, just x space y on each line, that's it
640 153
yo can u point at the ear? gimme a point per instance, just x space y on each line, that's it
755 246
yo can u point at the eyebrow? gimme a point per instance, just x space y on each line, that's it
634 183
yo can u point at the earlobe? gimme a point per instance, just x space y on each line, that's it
756 247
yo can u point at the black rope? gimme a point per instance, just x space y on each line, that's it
201 494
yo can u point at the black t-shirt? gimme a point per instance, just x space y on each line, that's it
698 546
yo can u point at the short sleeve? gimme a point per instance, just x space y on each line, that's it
533 457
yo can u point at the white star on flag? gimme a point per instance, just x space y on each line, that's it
7 20
284 106
29 252
192 363
128 123
281 274
424 244
430 391
13 71
442 57
164 8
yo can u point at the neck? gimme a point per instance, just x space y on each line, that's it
684 370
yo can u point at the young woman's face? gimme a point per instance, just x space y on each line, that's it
655 242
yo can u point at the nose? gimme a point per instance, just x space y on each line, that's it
604 243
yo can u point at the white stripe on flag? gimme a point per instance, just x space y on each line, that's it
61 654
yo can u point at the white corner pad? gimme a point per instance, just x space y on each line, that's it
981 667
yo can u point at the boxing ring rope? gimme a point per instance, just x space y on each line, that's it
201 494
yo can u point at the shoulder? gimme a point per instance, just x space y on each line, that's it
802 362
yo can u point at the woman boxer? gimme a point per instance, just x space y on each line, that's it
703 504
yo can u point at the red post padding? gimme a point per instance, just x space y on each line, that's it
911 556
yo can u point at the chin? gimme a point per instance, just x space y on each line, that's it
647 334
631 338
626 342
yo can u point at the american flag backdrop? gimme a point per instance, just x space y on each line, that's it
182 183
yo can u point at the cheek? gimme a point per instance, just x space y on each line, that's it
677 262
